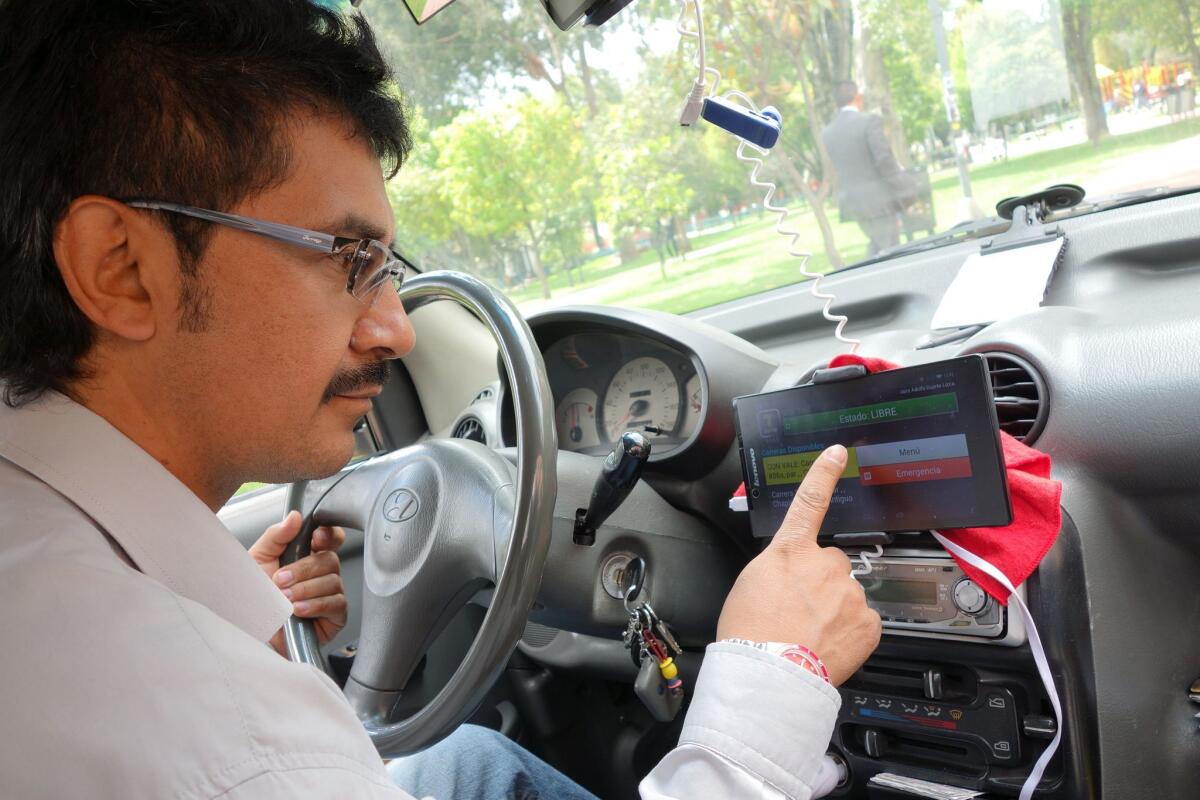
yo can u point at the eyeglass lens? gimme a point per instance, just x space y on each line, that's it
370 266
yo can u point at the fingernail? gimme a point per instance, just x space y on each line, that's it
300 608
837 453
288 593
283 577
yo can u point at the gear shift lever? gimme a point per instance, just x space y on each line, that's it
616 480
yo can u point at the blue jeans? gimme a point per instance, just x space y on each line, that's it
476 763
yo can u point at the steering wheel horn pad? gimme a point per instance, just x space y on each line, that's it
442 520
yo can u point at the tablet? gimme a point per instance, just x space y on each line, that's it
923 449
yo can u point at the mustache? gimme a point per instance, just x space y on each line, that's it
356 379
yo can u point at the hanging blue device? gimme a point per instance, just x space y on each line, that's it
760 129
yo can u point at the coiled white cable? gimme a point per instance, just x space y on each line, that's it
692 110
793 234
864 559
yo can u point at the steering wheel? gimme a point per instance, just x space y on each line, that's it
443 520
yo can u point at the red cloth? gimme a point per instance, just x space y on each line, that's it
1015 549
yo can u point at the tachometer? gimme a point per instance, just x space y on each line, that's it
643 392
576 420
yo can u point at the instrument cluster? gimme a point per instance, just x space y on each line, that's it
607 383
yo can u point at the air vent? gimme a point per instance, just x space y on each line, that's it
484 394
470 428
1020 396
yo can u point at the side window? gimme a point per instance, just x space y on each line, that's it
366 441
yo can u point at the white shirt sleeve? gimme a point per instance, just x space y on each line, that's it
758 727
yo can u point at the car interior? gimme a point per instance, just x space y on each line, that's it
1101 375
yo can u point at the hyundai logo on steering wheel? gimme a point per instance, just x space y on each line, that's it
401 506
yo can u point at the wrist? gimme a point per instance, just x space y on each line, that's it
278 643
798 654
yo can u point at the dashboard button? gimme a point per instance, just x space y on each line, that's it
874 743
968 597
933 684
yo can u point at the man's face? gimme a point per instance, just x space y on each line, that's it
272 386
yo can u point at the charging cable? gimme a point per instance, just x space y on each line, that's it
695 99
1039 657
864 558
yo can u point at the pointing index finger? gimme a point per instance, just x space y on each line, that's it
804 516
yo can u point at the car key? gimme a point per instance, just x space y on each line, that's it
633 579
659 626
632 637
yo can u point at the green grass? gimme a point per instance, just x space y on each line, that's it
722 266
752 257
248 487
1077 160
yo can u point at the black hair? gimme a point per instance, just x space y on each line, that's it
844 93
175 100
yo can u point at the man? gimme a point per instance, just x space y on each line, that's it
160 345
872 188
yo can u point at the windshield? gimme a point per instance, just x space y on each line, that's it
554 164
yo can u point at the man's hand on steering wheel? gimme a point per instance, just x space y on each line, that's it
313 584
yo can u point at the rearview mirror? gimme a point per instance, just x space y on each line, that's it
565 13
422 10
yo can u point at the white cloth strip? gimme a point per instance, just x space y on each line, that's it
1039 656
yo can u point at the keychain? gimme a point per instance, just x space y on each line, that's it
653 649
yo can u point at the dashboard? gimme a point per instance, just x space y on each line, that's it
1109 375
606 383
1101 377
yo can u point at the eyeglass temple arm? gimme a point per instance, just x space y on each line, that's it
313 240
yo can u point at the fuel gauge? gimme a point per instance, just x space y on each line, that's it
575 419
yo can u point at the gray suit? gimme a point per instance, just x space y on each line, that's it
872 187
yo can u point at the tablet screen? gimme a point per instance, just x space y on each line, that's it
923 446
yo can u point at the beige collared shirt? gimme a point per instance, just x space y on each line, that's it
135 663
134 629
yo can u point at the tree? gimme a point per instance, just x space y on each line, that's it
517 174
1189 13
898 41
812 40
639 187
1081 65
494 43
1171 25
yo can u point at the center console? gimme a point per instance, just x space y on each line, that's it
952 695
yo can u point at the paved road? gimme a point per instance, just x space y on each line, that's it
1176 165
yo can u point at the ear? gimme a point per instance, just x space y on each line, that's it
103 249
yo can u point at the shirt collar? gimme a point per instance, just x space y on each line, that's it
850 107
163 527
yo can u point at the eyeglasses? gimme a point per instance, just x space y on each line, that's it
369 263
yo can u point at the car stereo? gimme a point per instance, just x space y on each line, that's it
930 595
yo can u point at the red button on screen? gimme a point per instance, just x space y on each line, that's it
915 471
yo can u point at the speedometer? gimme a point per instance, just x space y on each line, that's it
643 393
